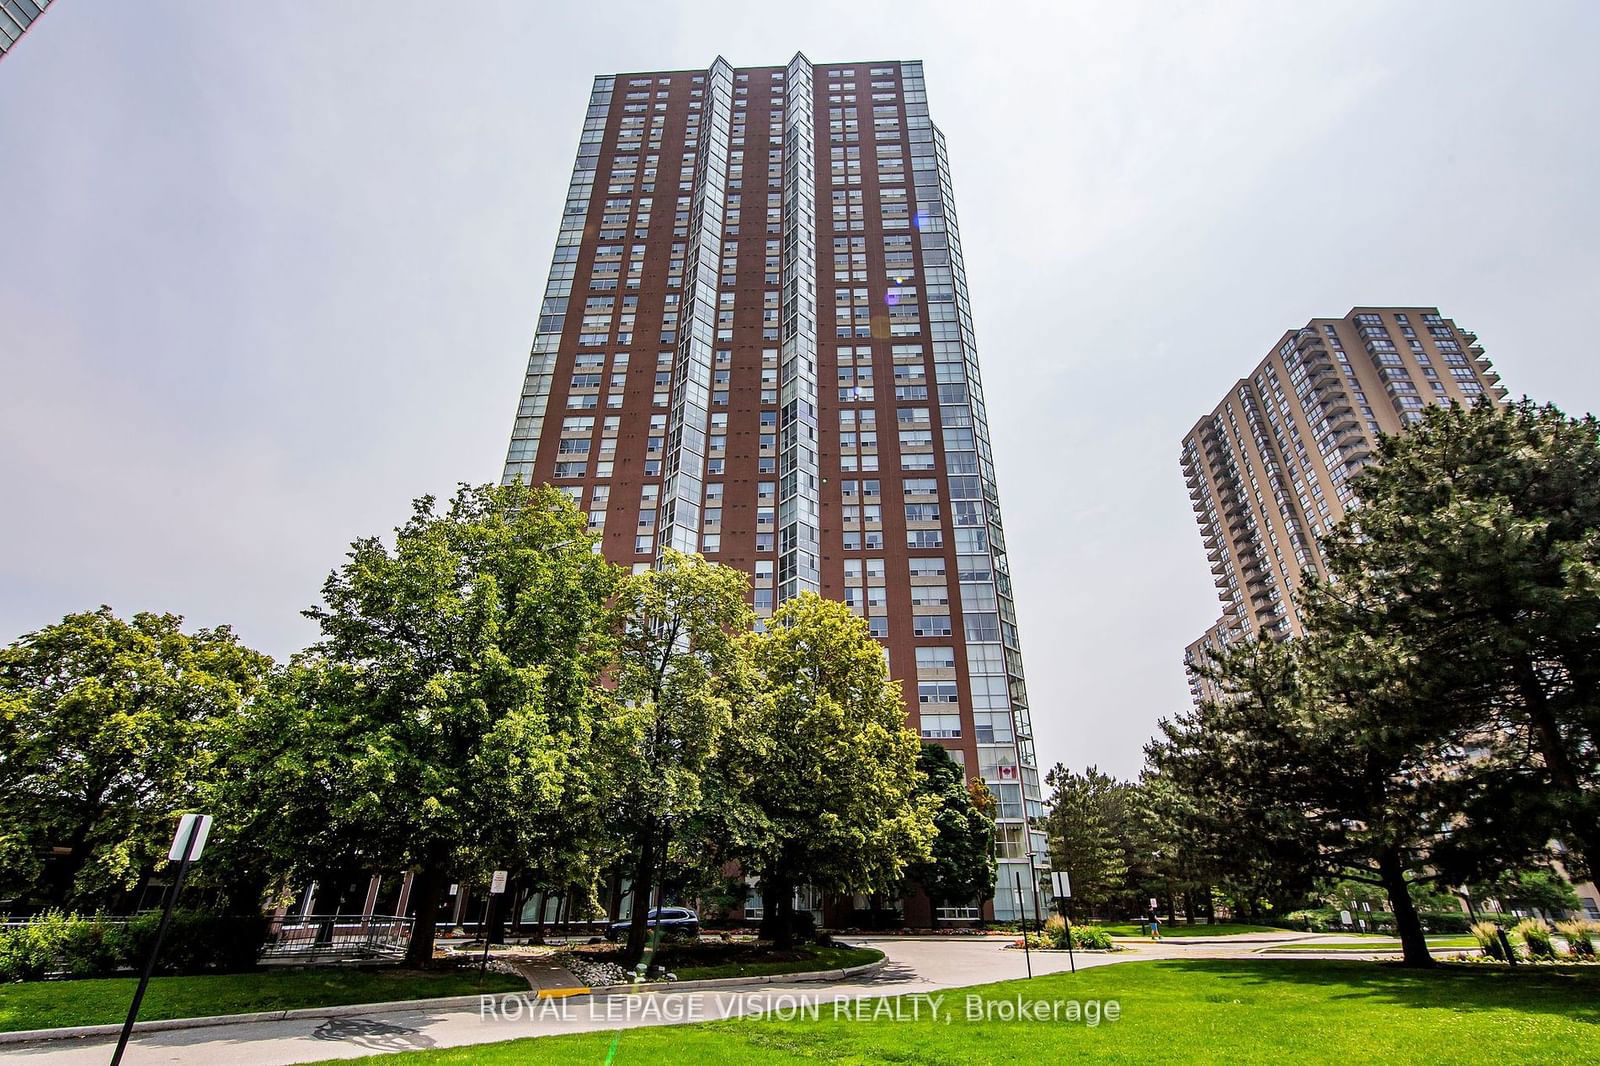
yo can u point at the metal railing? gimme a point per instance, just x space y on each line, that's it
349 935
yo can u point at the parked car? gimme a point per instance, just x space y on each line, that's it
673 921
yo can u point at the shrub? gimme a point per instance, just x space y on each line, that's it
92 946
1055 931
1536 935
198 940
1488 935
29 951
1446 921
1091 938
1580 936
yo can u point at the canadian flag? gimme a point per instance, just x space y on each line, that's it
1007 772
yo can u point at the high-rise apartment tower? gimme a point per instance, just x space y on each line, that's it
756 343
1269 468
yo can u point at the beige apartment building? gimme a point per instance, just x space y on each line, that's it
1269 468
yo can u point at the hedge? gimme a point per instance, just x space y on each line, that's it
94 945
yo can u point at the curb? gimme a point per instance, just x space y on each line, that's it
712 983
74 1032
1202 941
80 1032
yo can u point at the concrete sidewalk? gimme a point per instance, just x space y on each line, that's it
925 967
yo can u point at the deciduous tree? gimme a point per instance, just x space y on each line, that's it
821 773
108 728
454 696
679 659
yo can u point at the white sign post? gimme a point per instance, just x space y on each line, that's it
497 885
1061 884
187 843
190 839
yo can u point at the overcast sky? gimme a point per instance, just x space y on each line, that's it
268 271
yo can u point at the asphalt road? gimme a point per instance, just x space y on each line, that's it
928 967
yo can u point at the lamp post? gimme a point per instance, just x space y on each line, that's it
1022 920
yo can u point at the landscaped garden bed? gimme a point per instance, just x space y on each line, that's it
712 959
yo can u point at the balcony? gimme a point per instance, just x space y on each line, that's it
1356 456
1350 436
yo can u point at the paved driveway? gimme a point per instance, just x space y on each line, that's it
914 966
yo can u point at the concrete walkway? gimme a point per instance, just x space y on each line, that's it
542 974
930 966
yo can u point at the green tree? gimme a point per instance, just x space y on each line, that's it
1166 853
1325 755
960 868
452 704
1085 831
107 729
269 792
679 659
819 778
1477 550
1537 889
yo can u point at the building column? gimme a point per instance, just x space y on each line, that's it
684 485
799 471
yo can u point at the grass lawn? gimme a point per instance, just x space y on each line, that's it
810 958
1180 930
1211 1011
98 1001
1435 943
